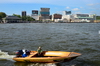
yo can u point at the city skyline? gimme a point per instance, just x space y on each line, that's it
56 6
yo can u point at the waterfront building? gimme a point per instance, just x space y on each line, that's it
23 13
35 14
66 17
11 19
56 17
83 17
44 14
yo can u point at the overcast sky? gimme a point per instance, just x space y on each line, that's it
56 6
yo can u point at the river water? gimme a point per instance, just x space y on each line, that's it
83 38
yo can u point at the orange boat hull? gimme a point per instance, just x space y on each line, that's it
49 57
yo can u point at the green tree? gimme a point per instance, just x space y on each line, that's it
23 18
17 15
2 15
28 18
98 17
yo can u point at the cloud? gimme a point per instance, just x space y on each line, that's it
76 9
77 13
94 4
90 4
67 7
94 8
81 7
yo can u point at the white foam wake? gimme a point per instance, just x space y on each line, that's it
6 56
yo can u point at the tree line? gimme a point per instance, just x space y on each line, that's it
98 17
24 18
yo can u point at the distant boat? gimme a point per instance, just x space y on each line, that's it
48 57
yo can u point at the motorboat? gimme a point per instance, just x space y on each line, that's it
48 57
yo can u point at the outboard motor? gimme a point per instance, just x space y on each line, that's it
19 53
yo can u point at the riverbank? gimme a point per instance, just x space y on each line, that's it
48 22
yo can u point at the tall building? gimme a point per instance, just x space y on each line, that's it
23 13
66 17
44 13
35 14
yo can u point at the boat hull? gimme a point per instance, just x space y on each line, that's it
50 57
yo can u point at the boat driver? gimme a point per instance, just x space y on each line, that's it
39 50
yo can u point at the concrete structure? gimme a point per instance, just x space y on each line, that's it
66 17
11 19
56 17
44 14
35 14
83 18
23 13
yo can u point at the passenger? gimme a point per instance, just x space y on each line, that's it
39 50
24 53
28 52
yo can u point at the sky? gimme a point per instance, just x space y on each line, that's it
11 7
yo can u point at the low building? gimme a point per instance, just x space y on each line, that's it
67 18
11 19
83 17
56 17
79 18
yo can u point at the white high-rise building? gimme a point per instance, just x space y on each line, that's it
35 14
66 17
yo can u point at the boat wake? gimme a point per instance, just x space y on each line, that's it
6 56
99 32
